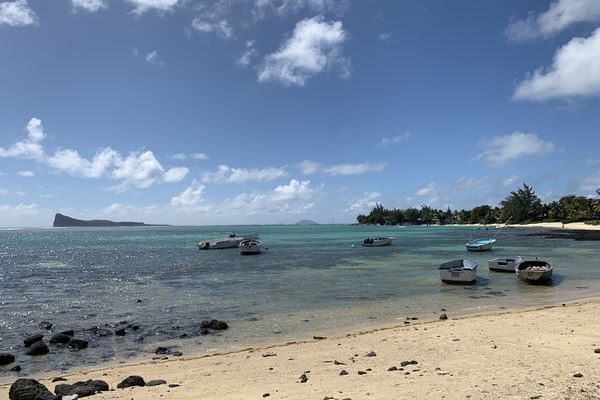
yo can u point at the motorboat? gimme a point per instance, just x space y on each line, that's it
534 271
377 242
504 264
250 246
232 240
480 244
459 271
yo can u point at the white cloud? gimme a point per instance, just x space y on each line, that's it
199 156
136 169
17 13
190 197
282 8
473 183
509 181
89 5
154 58
20 209
308 167
175 174
502 149
226 174
248 55
179 156
354 169
560 15
161 6
427 190
575 71
403 137
315 46
29 148
385 36
294 198
591 182
221 28
367 201
26 173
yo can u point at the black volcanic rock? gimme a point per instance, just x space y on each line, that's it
214 324
133 380
38 349
82 389
77 344
60 338
6 358
63 221
32 339
29 389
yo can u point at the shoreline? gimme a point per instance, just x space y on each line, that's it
566 332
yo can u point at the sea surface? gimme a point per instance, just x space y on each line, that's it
311 280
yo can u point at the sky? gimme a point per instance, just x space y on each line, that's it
198 112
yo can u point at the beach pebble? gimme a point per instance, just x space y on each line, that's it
45 325
16 368
371 354
343 372
161 350
303 378
29 389
38 349
6 358
174 385
336 362
177 353
405 363
60 338
77 344
597 351
156 382
392 369
58 379
578 375
362 372
266 395
443 317
319 337
214 324
133 380
120 332
269 354
32 339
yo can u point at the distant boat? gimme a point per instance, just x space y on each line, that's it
504 264
458 272
250 246
480 244
534 271
225 243
377 242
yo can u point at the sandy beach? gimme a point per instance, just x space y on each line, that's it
545 353
558 225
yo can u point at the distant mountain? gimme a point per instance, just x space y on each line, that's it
306 222
63 221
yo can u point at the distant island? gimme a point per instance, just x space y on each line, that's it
63 221
306 222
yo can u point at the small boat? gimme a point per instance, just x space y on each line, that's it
480 244
250 246
534 271
225 243
377 242
458 271
504 264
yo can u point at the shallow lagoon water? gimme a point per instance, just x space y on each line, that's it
312 279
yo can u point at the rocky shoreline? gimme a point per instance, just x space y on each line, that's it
573 234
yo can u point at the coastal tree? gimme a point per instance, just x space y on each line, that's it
483 215
522 205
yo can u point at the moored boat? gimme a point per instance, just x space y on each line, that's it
377 242
225 243
250 246
458 271
504 264
480 244
534 271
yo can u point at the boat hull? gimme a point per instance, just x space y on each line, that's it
504 264
225 243
480 245
377 242
534 272
249 247
464 277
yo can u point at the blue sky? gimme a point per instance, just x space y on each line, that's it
270 111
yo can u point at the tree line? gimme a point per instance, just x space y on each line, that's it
521 206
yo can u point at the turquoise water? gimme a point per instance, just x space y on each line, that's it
311 279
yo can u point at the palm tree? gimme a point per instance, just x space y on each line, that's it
596 204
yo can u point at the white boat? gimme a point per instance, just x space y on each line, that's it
377 242
225 243
480 244
458 271
250 246
504 264
534 271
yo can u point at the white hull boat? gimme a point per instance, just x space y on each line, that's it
480 244
251 246
504 264
534 271
377 242
458 272
225 243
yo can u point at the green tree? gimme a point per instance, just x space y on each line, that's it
522 205
483 215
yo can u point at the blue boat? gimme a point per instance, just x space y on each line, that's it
480 244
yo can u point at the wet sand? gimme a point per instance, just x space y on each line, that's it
545 353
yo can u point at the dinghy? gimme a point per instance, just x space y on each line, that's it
534 271
458 271
504 264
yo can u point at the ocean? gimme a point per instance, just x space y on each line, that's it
311 280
